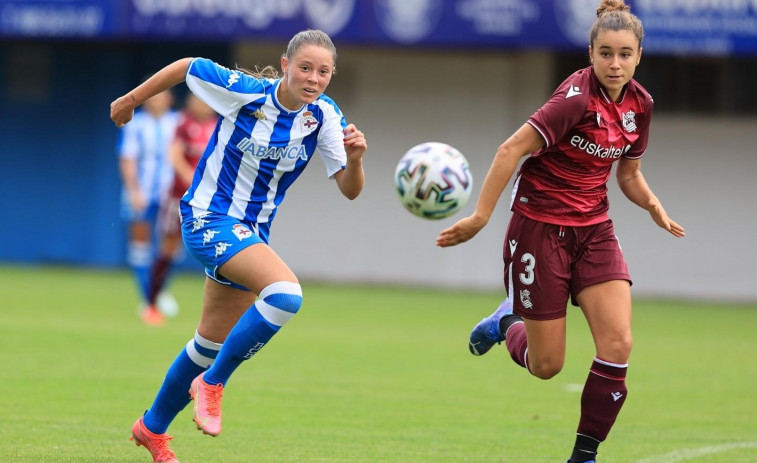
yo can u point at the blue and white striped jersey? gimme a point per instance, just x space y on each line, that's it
146 140
259 147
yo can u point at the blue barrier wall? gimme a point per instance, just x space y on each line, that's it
59 180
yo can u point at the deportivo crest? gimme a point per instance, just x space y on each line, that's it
629 121
309 123
241 231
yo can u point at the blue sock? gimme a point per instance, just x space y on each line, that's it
139 258
276 305
173 395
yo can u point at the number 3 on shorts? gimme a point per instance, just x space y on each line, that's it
527 277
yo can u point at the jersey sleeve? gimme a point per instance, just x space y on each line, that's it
564 109
640 146
331 137
221 88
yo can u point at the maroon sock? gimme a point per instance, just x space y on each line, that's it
603 396
515 340
158 277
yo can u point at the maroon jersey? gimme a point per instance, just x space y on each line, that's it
565 182
195 135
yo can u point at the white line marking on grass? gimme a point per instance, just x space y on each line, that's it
573 387
688 454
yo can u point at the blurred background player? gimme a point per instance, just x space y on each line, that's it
270 128
197 121
560 242
147 174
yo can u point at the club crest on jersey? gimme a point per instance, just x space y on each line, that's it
309 123
241 231
629 121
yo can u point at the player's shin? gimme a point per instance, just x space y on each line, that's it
275 306
172 397
603 396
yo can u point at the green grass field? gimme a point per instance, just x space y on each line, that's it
362 374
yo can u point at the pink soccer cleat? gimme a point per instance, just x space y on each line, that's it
156 444
207 405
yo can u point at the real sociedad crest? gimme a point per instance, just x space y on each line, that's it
629 121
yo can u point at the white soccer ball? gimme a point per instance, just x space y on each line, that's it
433 180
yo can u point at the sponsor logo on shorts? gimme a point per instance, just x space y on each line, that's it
198 223
525 299
208 235
241 231
513 244
221 248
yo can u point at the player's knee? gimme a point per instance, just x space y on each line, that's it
545 368
280 301
616 349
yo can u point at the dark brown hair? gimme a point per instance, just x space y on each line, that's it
615 15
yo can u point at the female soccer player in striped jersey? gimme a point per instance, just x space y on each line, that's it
560 242
269 129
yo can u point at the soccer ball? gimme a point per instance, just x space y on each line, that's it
433 180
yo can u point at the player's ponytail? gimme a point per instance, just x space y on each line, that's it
268 72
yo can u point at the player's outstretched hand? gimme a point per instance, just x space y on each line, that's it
122 110
661 218
354 142
461 231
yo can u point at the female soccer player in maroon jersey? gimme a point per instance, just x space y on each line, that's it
560 242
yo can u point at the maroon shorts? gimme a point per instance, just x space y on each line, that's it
546 264
170 222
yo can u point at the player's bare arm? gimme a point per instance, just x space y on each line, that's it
184 170
634 186
122 109
522 143
352 178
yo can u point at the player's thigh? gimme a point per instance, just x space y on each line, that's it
537 269
546 346
607 308
222 306
256 267
139 231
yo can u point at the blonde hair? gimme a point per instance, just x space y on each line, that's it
300 39
615 15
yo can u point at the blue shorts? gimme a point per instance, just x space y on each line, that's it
148 214
214 238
